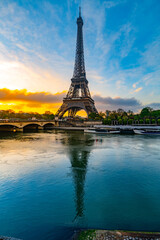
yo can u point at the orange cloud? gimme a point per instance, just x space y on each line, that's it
22 100
138 89
29 107
24 95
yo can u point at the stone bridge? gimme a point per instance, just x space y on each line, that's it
19 126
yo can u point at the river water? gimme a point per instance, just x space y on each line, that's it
52 183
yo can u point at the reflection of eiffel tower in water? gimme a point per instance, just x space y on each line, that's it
79 147
78 96
79 160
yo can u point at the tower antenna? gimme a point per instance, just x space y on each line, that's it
79 11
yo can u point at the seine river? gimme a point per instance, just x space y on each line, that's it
54 182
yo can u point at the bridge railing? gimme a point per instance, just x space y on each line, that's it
21 120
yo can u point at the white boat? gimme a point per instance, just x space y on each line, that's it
95 130
114 131
100 131
148 132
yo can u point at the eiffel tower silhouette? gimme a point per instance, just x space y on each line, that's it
78 96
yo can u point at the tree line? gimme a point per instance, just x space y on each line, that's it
121 117
12 115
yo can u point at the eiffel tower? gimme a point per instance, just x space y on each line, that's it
78 96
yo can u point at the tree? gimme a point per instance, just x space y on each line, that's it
92 116
155 113
141 121
101 115
48 115
125 119
130 121
109 121
147 121
120 111
107 113
130 112
120 121
153 121
105 121
145 112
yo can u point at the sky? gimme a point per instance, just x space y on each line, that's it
121 49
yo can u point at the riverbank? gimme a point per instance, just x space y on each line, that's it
8 238
105 234
108 127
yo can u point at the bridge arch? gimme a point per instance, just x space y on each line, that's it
8 127
48 125
33 126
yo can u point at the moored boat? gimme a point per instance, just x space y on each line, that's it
147 132
100 131
95 130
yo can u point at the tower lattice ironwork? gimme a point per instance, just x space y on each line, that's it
78 96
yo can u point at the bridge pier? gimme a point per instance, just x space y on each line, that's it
40 128
19 130
57 124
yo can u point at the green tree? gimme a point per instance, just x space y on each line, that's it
141 121
125 119
130 112
92 116
101 115
147 120
105 121
120 121
153 121
120 111
155 113
145 112
109 121
130 121
107 113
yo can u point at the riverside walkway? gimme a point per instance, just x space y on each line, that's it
111 235
131 127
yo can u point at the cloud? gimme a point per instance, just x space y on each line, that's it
155 106
7 95
23 100
110 4
19 75
22 47
138 89
33 99
33 37
128 102
151 55
103 103
94 75
120 84
133 104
